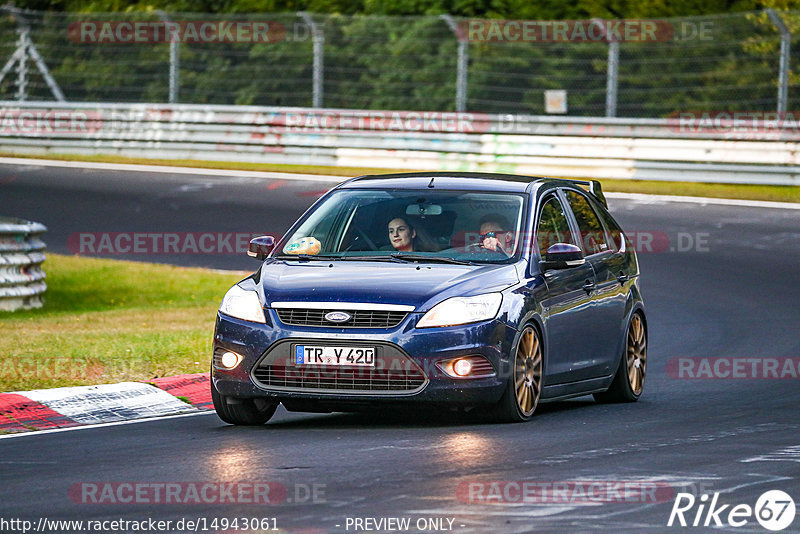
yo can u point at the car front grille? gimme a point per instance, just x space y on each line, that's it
360 318
394 373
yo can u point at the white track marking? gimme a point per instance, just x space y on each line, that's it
102 425
788 454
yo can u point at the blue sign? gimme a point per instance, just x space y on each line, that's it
299 352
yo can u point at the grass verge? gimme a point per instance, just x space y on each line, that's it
110 321
773 193
345 172
776 193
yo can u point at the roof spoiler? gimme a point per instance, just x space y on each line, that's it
597 190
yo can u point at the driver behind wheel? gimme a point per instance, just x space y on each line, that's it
494 234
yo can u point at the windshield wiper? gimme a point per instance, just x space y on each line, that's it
392 258
434 259
305 257
396 257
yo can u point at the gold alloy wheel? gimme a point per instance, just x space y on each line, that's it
528 371
636 354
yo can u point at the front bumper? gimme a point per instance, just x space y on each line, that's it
424 347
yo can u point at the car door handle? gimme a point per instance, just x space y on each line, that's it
589 286
622 278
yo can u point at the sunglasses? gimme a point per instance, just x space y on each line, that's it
493 234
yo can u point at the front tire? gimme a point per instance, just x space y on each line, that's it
242 411
628 383
525 383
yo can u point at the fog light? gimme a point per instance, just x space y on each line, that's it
467 367
462 367
230 360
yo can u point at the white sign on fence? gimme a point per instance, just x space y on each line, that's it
555 101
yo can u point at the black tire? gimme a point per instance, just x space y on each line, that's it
628 383
521 397
242 411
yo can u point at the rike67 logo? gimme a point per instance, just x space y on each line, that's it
774 510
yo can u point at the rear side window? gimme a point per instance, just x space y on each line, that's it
614 231
553 226
593 237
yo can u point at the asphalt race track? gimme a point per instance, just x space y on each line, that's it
722 282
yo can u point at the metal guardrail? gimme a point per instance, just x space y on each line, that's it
21 257
647 149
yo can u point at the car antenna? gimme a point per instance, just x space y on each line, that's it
431 182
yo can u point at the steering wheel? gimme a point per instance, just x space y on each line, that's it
360 234
475 246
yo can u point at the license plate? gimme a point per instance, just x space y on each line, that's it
327 355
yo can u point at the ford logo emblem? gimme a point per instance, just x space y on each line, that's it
338 317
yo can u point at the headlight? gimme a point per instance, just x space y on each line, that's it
462 310
242 304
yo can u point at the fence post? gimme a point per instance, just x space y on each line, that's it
612 71
461 69
174 60
783 72
22 65
612 78
318 38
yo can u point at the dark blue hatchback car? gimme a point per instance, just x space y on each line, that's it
456 290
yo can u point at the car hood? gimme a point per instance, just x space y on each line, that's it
421 285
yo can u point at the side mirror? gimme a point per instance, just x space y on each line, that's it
260 247
562 256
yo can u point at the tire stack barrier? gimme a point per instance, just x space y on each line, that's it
21 257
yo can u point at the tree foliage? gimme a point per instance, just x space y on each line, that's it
518 9
402 55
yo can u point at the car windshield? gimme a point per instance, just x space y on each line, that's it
410 225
